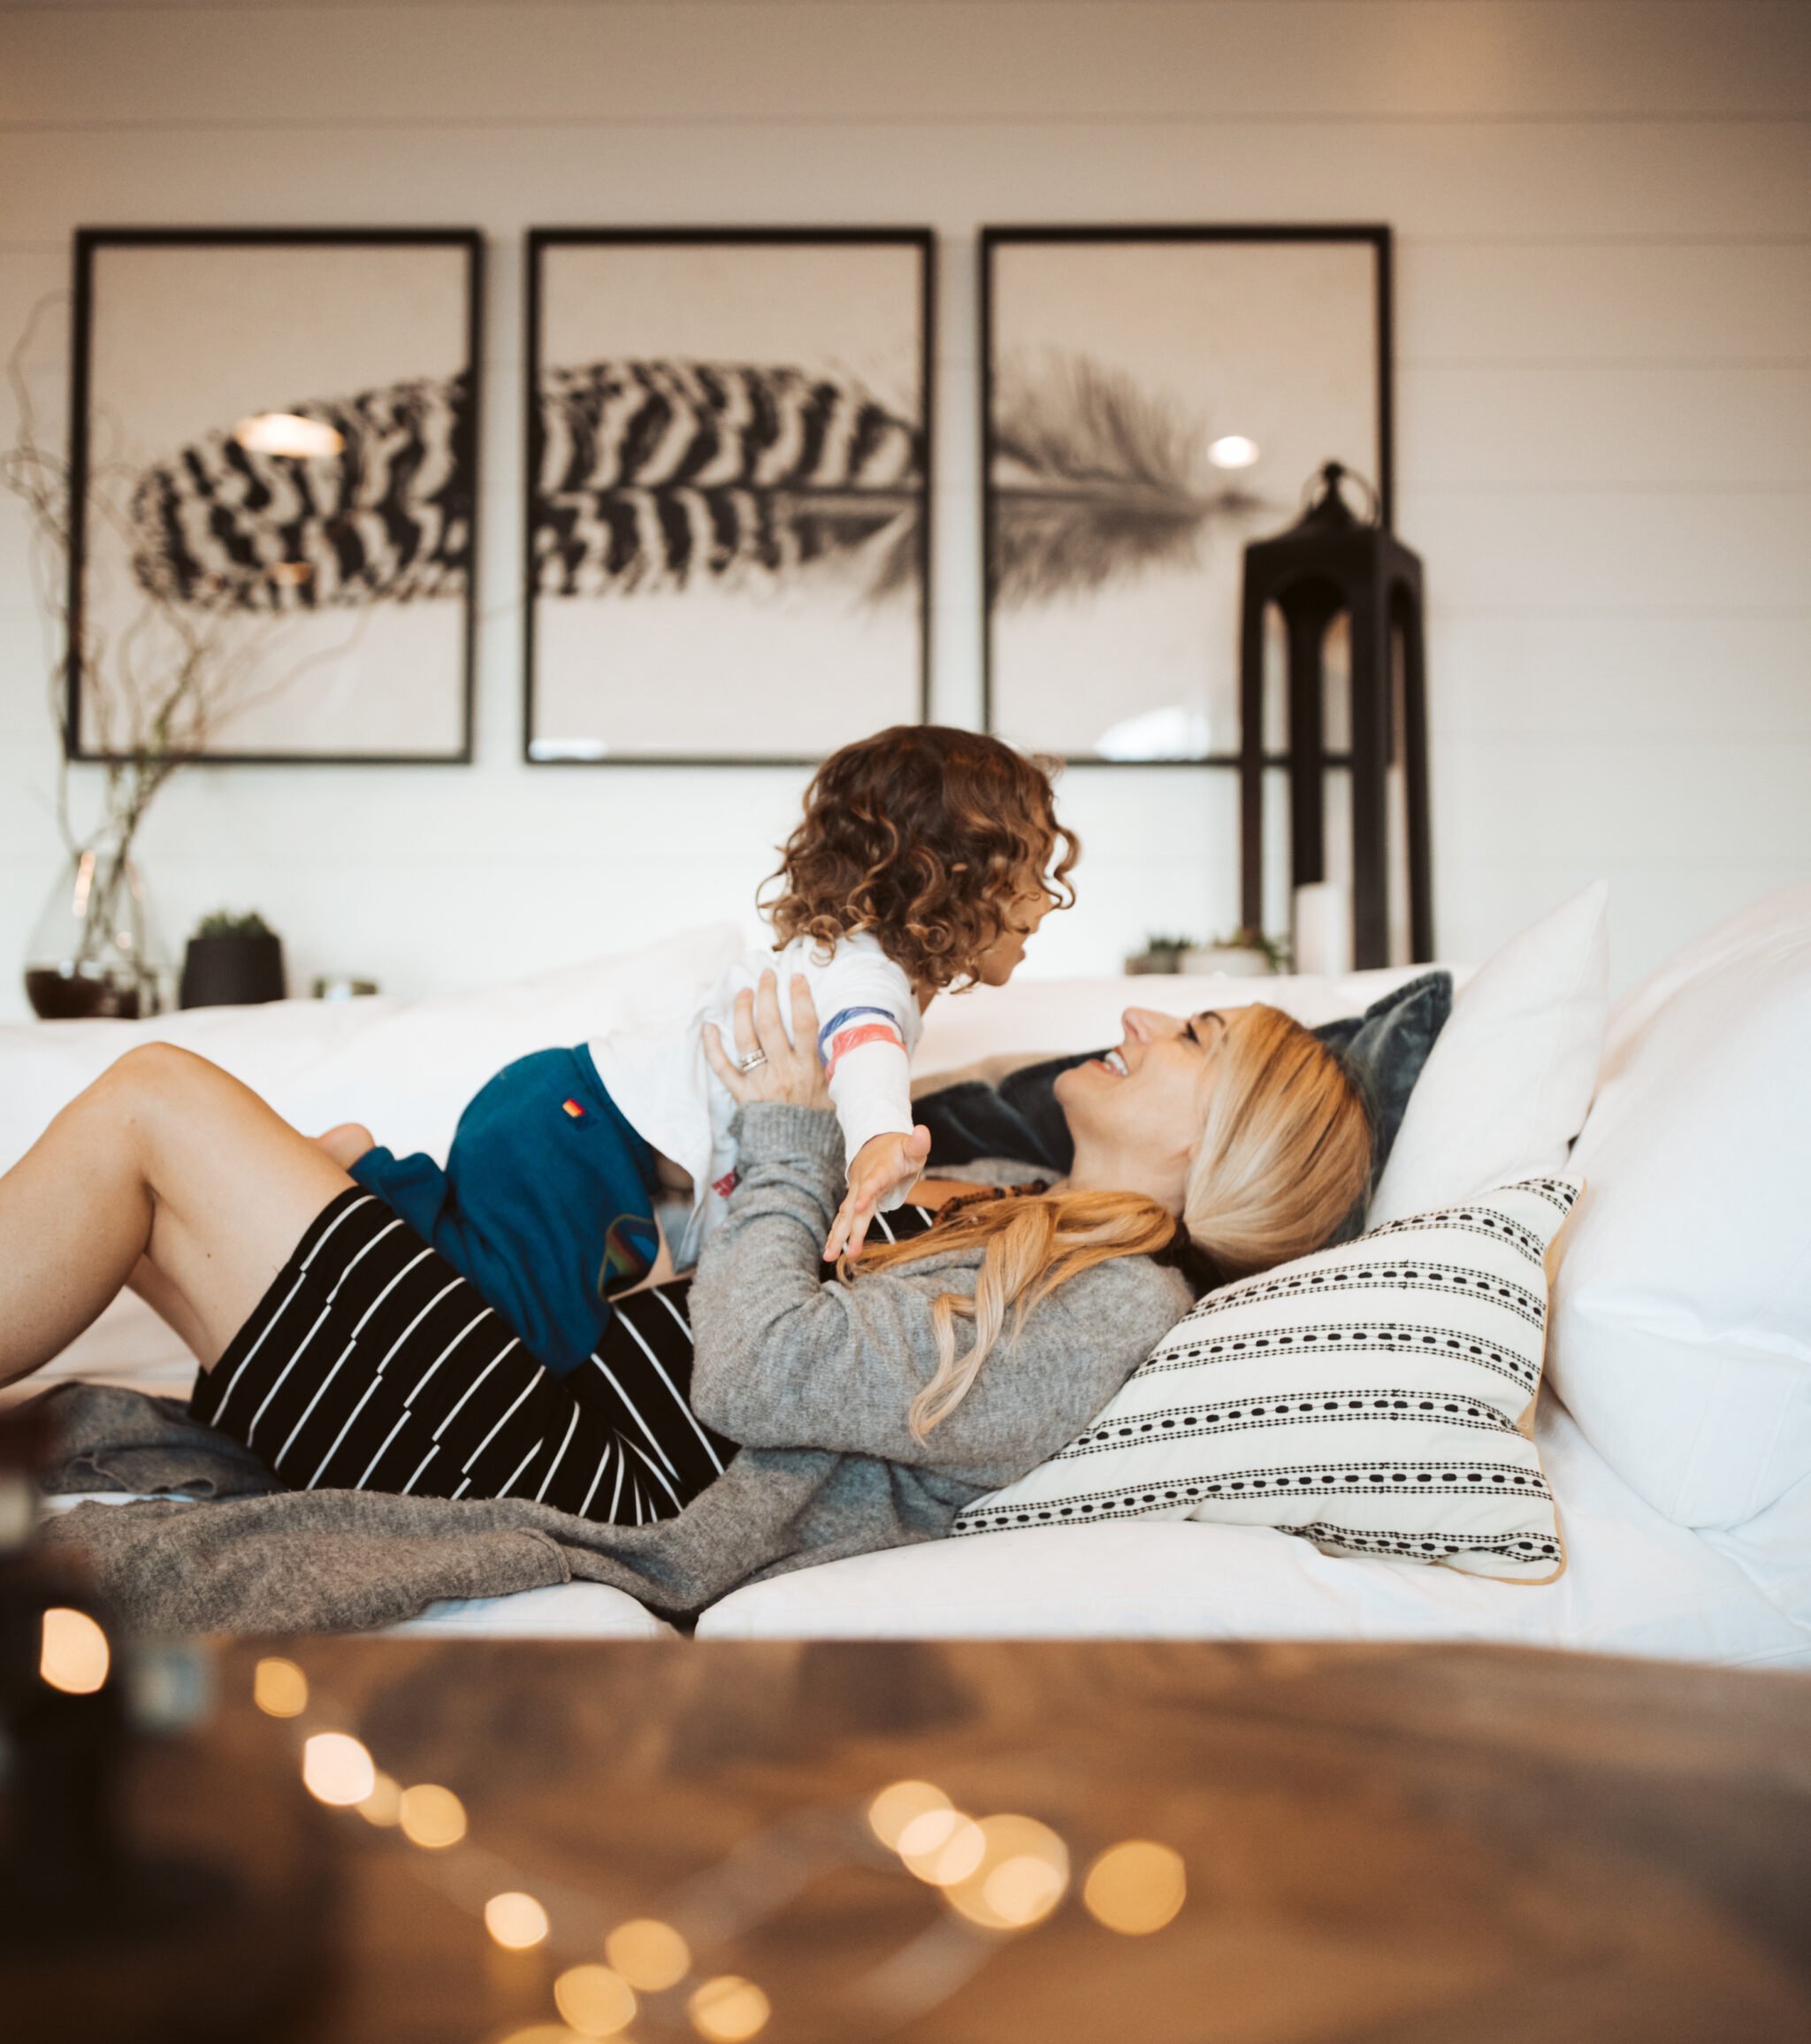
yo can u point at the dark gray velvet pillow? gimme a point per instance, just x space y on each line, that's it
1384 1049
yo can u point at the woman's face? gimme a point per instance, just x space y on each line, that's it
1147 1097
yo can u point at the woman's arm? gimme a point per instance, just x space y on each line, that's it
783 1360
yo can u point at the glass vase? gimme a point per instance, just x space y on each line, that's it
93 952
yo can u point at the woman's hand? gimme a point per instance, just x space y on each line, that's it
787 1070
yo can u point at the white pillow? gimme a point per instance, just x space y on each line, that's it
1510 1079
1682 1334
1376 1398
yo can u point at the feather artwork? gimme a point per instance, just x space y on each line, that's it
1094 480
651 476
386 516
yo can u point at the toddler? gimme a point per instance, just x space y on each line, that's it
925 859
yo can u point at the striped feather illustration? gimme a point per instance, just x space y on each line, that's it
387 518
650 476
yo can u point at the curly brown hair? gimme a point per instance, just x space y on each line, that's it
926 836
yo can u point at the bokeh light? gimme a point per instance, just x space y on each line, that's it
279 1688
542 2033
430 1816
1022 1874
289 433
336 1769
384 1805
942 1846
596 2002
516 1921
894 1808
1135 1887
649 1955
72 1653
727 2009
1233 451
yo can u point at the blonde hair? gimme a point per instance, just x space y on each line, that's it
1284 1154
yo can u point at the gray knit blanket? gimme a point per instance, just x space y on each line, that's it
218 1546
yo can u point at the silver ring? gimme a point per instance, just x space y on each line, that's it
753 1059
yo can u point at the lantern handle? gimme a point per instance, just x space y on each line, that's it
1328 482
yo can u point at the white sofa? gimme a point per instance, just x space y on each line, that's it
1676 1424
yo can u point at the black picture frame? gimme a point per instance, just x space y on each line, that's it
464 443
541 242
994 239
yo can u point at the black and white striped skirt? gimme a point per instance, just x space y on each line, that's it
371 1365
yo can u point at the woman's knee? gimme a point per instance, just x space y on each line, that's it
152 1081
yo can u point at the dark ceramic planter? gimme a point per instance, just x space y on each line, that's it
232 971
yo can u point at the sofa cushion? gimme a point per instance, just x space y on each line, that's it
1376 1398
1682 1335
1634 1584
1506 1086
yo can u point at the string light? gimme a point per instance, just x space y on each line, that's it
650 1955
336 1769
73 1652
1003 1873
279 1688
382 1807
431 1817
596 2002
942 1846
894 1808
1022 1874
727 2009
1135 1887
516 1921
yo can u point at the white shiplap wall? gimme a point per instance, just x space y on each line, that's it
1603 212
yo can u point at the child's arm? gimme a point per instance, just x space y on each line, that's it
868 1074
882 1164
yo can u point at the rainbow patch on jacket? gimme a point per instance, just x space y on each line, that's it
850 1029
631 1243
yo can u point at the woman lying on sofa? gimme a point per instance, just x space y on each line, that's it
763 1413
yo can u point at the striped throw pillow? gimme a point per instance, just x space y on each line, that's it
1376 1398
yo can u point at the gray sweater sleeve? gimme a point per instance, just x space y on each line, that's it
784 1360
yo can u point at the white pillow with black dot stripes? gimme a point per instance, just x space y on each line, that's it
1376 1398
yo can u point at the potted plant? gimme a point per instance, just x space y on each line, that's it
1160 955
232 961
1245 953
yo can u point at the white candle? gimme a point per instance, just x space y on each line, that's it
1323 927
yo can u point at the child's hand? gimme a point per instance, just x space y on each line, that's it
881 1163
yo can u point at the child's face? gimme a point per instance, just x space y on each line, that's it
1029 903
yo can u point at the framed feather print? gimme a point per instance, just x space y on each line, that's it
1156 398
728 486
274 455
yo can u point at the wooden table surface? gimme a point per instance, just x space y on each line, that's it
1463 1845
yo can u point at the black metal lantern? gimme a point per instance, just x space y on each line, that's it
1331 563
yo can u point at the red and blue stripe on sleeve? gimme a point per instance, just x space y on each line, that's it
853 1027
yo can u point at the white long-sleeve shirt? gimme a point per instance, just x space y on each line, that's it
868 1026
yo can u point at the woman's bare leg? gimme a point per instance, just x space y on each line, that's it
167 1158
168 1304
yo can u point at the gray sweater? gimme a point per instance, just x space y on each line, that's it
815 1381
